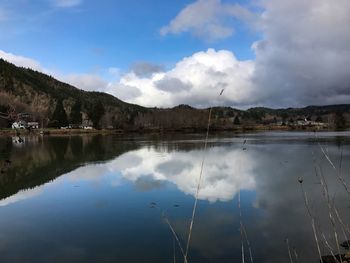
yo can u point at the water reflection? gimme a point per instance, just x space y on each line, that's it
98 210
226 170
42 159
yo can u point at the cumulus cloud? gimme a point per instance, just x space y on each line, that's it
67 3
21 61
144 69
196 80
172 85
207 19
88 82
302 58
304 55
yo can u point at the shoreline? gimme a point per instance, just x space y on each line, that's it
240 129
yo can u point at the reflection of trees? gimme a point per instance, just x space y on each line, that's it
58 147
43 160
76 143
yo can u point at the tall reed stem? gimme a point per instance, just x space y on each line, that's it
306 202
198 188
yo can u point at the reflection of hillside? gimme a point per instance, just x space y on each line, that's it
43 159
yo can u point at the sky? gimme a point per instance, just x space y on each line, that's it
161 53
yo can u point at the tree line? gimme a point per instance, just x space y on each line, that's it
59 117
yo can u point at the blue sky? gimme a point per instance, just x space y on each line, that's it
100 34
277 53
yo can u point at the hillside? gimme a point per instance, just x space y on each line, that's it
36 93
52 102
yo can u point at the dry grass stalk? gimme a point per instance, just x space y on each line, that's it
323 182
289 253
338 171
175 236
248 244
329 248
243 232
198 188
241 225
174 250
306 202
339 174
295 254
345 227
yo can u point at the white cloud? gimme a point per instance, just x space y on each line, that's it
21 61
88 82
302 58
143 69
195 80
207 19
67 3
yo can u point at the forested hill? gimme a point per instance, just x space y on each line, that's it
57 104
33 92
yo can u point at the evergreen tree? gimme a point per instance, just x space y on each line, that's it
318 119
236 121
75 114
339 121
59 116
96 112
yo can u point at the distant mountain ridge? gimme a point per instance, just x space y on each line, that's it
31 91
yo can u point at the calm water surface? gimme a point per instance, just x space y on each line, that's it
101 198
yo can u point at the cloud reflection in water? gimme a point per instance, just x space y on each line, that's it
226 170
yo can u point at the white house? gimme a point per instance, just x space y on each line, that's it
19 125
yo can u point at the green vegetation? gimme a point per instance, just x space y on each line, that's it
340 122
96 112
236 121
75 114
59 116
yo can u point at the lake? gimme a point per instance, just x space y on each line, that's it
108 198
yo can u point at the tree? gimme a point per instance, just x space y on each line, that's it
59 116
236 121
75 114
96 112
339 121
318 119
284 116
